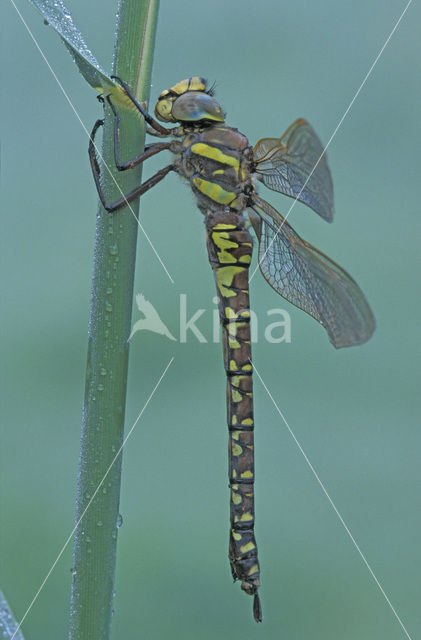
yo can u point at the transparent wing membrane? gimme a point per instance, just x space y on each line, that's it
285 164
310 280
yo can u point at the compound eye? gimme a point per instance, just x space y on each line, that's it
163 110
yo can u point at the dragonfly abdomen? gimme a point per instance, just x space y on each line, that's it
230 248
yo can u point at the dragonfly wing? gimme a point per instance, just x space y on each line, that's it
310 280
296 166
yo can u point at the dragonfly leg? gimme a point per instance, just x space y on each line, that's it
150 150
151 121
132 195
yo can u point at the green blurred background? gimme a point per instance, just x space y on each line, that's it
355 412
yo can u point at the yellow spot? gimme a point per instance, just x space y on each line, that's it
235 381
236 498
234 420
233 365
247 421
247 367
197 84
205 150
230 313
246 258
233 328
247 474
233 344
254 569
236 536
246 517
217 172
234 473
225 277
234 487
245 548
236 396
237 450
235 435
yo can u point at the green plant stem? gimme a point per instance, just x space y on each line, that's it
109 327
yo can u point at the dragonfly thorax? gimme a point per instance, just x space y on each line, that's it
217 161
189 101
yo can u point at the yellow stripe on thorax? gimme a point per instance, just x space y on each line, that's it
222 226
213 191
213 153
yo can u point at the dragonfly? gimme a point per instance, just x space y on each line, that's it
223 171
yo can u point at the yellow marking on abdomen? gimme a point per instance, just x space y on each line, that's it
236 396
225 276
247 547
213 191
236 498
222 241
254 569
213 153
246 517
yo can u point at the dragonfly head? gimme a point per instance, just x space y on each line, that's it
188 101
